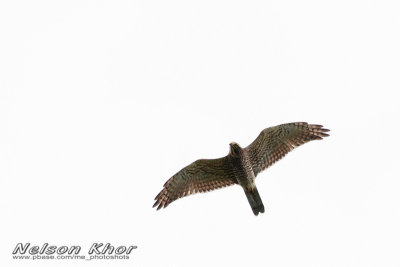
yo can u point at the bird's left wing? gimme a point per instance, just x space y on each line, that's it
201 176
275 142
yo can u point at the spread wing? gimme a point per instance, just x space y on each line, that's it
275 142
201 176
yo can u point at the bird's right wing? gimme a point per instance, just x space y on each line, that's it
201 176
275 142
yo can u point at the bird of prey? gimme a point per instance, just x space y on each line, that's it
241 165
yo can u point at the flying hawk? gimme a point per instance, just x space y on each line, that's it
241 165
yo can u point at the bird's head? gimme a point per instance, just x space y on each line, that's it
234 149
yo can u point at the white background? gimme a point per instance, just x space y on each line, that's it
102 101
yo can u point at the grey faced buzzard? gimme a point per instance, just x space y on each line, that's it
241 165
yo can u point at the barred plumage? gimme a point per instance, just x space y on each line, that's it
240 166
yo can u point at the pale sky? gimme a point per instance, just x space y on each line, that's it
102 101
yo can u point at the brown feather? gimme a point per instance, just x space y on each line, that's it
275 142
200 176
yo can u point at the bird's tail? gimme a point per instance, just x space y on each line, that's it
255 201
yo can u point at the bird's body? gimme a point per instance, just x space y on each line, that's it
244 176
241 165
